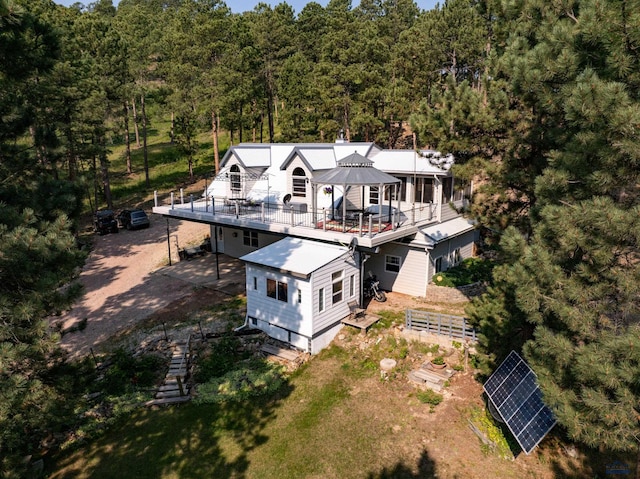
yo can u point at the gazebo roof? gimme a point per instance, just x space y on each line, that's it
354 169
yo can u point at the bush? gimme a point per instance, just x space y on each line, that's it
223 358
470 271
252 380
127 374
429 397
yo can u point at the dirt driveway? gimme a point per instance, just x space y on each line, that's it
127 278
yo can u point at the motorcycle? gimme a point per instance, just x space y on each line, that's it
372 289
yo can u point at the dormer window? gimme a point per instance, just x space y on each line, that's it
299 182
234 178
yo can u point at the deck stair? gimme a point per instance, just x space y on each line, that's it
175 389
271 350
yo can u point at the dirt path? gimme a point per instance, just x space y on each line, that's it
123 283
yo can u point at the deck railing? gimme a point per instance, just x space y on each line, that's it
297 215
442 324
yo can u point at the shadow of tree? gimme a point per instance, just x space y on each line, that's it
179 441
426 470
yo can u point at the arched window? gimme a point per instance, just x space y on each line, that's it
234 178
299 182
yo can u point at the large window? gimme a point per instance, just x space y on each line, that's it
277 290
423 192
250 238
336 287
352 285
392 263
391 191
299 182
234 178
447 190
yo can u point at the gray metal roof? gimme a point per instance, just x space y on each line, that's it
355 169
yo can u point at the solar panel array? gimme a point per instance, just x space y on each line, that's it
514 392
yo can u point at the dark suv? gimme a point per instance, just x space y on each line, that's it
133 219
104 222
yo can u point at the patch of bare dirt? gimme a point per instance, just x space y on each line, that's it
123 283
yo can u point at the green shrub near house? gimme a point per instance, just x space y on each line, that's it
471 270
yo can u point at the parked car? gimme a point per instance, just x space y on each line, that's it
104 222
133 219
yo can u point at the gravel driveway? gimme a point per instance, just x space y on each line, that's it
124 281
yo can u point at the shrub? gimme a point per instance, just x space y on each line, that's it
223 358
252 380
471 270
429 397
127 374
439 360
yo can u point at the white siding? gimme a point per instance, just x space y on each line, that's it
446 248
448 213
234 245
322 279
412 277
287 315
300 324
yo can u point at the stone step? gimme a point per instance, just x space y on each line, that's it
167 401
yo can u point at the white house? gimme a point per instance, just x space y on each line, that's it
298 290
395 211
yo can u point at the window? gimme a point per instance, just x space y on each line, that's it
374 195
234 178
277 290
299 296
438 264
447 190
321 300
423 192
352 285
391 191
336 287
255 283
392 264
299 182
455 257
250 238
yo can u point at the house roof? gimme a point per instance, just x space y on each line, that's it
432 235
295 256
405 162
354 169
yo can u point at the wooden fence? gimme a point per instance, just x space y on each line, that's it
455 327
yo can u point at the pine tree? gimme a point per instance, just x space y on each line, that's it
38 253
569 291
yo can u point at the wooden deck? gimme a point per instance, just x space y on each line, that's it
362 322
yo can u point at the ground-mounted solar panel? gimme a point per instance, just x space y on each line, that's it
514 393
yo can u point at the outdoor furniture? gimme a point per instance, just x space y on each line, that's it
355 311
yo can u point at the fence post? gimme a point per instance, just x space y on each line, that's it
262 211
324 219
370 226
408 318
292 216
213 205
155 198
191 200
172 200
182 196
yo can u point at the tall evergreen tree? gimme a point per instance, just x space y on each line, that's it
568 292
37 247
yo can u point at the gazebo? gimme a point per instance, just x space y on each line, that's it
352 171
